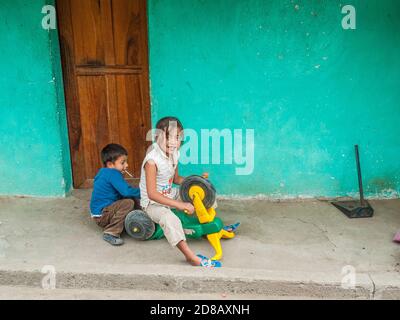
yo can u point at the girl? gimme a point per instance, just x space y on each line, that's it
159 172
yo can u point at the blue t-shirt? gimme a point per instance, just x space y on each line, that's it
110 186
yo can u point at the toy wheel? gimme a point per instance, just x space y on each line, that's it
204 184
139 226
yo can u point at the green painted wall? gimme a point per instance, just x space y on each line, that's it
34 157
310 89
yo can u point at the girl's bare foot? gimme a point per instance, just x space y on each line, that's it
194 261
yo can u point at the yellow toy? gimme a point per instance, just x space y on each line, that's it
201 193
197 194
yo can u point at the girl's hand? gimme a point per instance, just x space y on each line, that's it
186 207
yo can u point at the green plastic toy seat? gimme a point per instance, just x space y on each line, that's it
192 227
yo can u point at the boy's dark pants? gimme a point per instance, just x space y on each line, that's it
113 217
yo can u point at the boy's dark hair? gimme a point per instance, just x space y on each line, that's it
112 152
164 124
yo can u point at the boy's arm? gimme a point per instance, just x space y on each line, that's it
123 188
151 176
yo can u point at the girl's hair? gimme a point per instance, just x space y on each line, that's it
165 123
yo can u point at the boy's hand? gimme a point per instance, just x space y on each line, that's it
186 207
205 175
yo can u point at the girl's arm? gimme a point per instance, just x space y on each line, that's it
177 178
151 187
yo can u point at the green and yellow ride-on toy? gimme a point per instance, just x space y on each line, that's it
201 193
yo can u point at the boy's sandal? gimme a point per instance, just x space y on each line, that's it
208 263
232 227
113 240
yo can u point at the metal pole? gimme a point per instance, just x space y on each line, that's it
360 186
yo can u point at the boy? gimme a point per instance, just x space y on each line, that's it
109 204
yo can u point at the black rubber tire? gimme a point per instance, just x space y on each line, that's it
209 190
142 222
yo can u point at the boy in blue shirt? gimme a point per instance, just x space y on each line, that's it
112 197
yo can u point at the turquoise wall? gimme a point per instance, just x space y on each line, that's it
288 70
34 157
308 88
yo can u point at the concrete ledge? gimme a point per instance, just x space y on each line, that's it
387 285
226 280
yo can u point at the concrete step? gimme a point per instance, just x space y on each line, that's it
225 281
29 293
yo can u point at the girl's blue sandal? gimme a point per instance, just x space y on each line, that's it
232 227
208 263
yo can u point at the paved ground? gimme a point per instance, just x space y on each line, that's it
282 249
29 293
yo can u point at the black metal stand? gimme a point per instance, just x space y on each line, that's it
356 208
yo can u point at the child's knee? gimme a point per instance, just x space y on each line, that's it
170 220
128 204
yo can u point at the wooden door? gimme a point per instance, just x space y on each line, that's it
104 53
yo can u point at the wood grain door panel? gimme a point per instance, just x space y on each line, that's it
104 53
